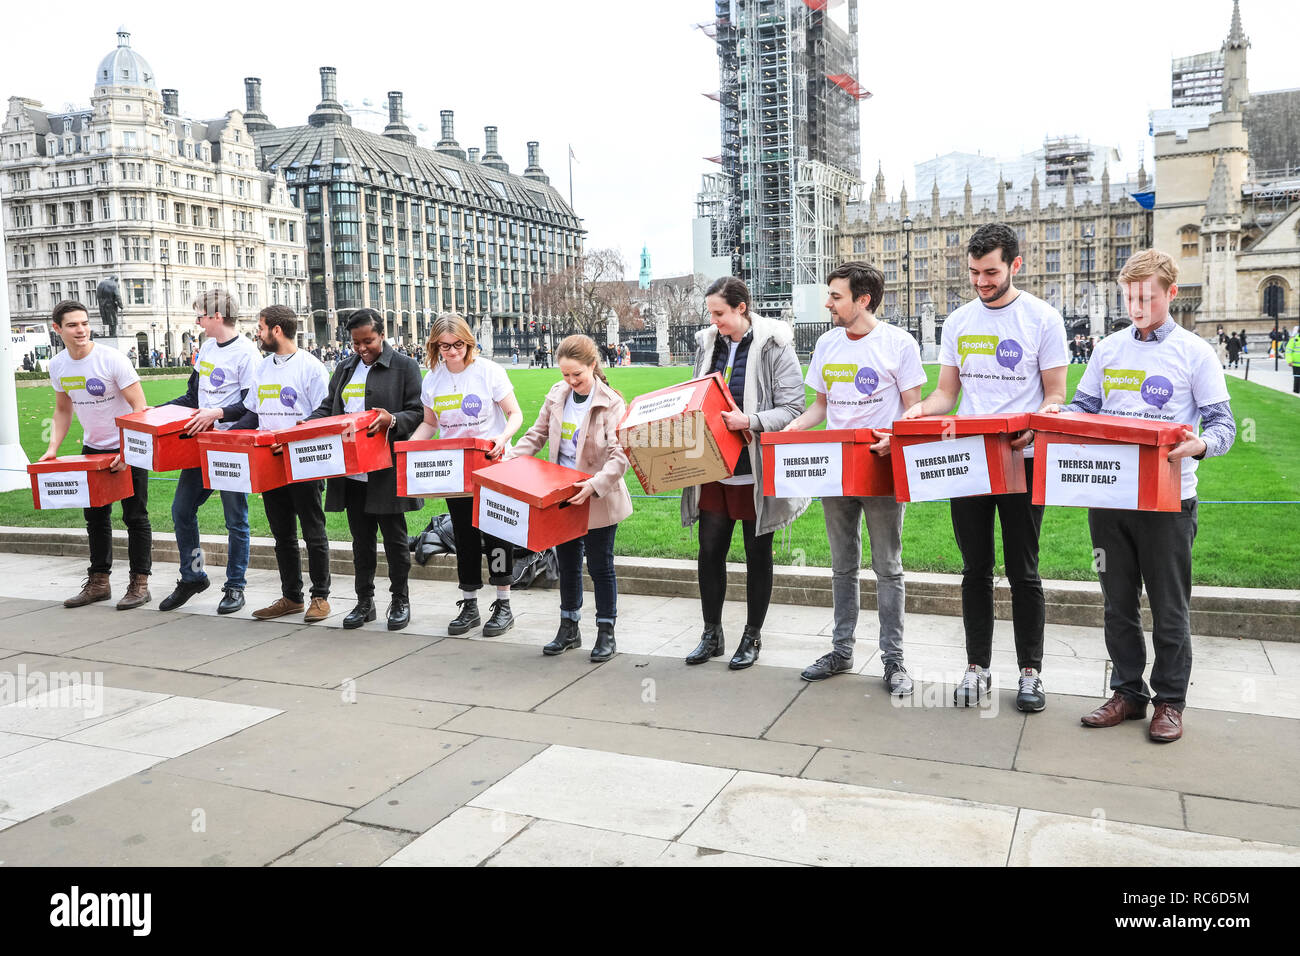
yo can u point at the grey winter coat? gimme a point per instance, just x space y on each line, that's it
774 397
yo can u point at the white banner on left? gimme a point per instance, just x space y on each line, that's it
63 489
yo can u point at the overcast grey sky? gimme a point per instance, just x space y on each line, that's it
622 81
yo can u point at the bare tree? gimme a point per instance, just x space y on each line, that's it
682 299
578 299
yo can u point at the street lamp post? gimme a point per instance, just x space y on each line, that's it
167 307
907 265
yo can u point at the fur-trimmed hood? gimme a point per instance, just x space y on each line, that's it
766 331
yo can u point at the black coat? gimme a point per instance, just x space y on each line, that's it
393 385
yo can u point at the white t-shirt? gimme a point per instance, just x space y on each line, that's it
863 379
354 400
95 384
225 371
466 402
999 354
1169 381
571 422
731 362
286 392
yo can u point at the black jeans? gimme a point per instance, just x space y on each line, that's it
286 508
1136 548
364 527
1021 521
471 545
1295 379
715 540
598 544
135 515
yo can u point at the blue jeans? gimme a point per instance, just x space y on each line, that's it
190 495
598 543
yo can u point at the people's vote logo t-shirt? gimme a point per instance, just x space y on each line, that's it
466 402
1169 381
94 384
286 392
863 379
571 423
225 370
354 400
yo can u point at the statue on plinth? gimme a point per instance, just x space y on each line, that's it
110 303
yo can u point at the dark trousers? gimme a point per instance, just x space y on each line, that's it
598 544
135 515
471 545
1295 379
287 507
1136 548
1021 521
715 540
363 528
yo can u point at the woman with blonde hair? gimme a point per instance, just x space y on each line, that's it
468 396
579 421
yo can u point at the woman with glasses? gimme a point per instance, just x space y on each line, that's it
468 396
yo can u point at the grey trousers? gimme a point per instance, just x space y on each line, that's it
885 538
1155 549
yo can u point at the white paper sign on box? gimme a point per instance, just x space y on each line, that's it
661 406
229 471
64 489
316 458
503 517
949 468
811 470
435 472
1092 476
137 449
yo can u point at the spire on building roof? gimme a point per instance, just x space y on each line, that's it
1236 35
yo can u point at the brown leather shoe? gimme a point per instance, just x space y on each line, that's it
319 610
1115 711
136 594
280 608
94 588
1166 724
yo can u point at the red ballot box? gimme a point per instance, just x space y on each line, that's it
957 456
440 468
317 449
240 459
675 437
1106 461
828 463
78 481
523 501
155 439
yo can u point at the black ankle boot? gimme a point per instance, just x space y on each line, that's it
501 620
566 637
605 647
467 618
711 645
363 613
751 642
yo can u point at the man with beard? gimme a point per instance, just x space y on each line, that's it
1002 353
288 386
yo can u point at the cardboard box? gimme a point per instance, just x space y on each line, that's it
675 437
957 456
1106 461
241 460
523 501
155 439
440 468
827 463
318 449
78 481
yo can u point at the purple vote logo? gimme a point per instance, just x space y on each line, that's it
471 405
288 396
217 377
866 380
1009 353
1157 390
95 387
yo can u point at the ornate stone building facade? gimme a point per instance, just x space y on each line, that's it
132 188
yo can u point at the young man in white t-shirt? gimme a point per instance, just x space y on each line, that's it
290 382
865 373
217 391
1156 371
97 384
1003 352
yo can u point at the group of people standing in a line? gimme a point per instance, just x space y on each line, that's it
467 395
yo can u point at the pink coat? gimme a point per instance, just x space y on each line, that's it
599 452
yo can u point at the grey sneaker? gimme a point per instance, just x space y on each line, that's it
828 665
974 688
1031 697
897 681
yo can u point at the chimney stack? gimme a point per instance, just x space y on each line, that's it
473 154
171 102
254 119
329 110
448 142
396 128
491 158
534 170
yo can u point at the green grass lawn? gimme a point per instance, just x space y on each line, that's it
1238 545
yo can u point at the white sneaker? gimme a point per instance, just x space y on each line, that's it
974 688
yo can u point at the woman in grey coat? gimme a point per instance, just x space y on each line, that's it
757 360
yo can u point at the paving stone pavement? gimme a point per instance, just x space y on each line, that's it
144 738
